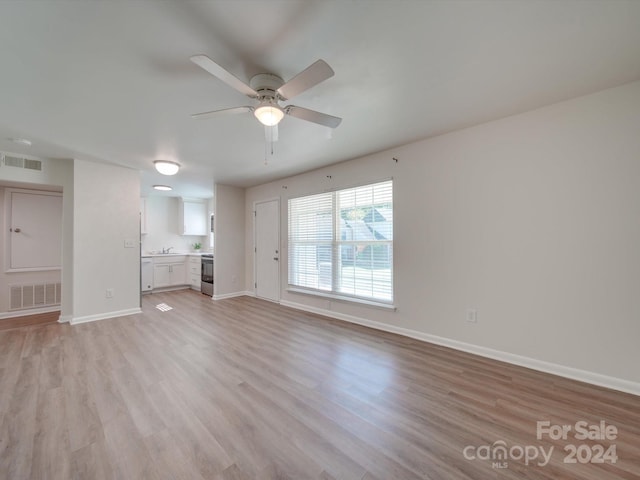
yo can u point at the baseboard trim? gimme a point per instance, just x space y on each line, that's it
30 311
65 318
168 289
586 376
104 316
231 295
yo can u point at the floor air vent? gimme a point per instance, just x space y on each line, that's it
35 295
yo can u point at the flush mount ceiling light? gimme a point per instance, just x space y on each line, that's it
164 188
166 167
269 113
21 141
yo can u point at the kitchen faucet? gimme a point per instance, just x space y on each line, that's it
167 250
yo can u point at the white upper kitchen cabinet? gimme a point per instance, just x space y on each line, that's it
193 217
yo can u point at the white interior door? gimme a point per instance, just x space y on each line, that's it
267 255
35 230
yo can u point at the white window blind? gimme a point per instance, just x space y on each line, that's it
342 242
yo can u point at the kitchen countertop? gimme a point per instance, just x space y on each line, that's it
175 254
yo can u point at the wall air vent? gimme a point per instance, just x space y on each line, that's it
35 295
20 162
10 161
33 164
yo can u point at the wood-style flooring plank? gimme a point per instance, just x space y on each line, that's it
170 461
29 320
51 455
84 425
135 398
195 441
92 462
18 429
128 454
51 373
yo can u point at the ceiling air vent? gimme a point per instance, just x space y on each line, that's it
32 164
20 162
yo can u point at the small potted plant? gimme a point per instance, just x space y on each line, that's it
197 246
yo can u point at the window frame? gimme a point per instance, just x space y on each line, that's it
336 244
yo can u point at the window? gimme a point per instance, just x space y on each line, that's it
341 243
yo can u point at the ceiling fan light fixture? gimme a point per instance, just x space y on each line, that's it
166 167
269 114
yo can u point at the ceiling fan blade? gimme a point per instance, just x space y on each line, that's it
313 116
309 77
223 111
217 71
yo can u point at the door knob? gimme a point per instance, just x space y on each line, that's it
275 258
17 230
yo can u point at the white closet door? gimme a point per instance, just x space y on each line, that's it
267 257
35 230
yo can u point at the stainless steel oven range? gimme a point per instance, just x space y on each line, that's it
206 276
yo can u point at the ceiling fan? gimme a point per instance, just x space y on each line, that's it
269 90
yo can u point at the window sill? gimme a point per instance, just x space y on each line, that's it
341 298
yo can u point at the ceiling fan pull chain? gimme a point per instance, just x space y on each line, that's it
271 139
265 151
269 136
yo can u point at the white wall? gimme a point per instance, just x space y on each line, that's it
106 213
533 220
229 265
162 227
55 175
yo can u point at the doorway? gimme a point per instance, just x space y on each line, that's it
267 250
30 261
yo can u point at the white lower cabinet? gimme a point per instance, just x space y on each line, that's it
194 272
169 271
146 274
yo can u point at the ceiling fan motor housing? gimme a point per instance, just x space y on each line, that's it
266 84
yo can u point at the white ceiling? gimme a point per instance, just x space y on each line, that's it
112 80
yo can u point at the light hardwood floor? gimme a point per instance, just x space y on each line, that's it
29 320
246 389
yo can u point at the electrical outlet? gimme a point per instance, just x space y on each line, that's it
108 293
472 315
